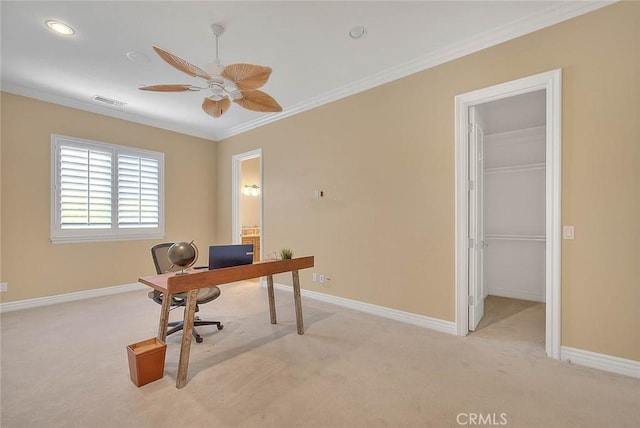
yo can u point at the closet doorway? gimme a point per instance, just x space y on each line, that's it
508 203
510 163
247 196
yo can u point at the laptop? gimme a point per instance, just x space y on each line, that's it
222 256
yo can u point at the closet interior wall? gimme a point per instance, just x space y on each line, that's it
514 205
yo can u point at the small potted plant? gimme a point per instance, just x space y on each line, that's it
286 253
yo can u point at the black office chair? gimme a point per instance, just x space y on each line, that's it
205 295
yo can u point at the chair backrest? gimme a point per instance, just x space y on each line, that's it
160 256
161 261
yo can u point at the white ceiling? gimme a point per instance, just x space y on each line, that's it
307 45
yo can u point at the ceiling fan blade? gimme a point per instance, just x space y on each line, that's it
258 101
216 108
169 88
247 76
181 64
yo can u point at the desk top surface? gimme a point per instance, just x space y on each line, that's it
194 279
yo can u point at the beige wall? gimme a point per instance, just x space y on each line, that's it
250 205
384 232
31 264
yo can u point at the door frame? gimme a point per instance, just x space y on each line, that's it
551 82
236 179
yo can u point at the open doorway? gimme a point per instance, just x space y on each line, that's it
247 191
510 190
508 203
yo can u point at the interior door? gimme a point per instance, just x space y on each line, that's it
476 223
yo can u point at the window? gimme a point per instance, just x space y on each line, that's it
104 192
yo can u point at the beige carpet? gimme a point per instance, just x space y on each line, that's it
66 366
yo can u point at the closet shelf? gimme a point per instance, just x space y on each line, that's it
518 237
515 168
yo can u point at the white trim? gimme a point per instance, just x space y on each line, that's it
601 361
550 16
554 14
69 297
105 238
236 160
114 112
551 82
571 355
442 326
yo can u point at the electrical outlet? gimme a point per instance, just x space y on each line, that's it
3 286
322 278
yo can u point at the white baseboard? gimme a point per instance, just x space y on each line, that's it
513 294
572 355
600 361
407 317
69 297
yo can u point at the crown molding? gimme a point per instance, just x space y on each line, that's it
41 95
550 16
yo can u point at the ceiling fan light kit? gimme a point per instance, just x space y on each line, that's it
236 83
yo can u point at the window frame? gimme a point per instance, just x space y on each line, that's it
114 233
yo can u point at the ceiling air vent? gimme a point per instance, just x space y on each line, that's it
109 101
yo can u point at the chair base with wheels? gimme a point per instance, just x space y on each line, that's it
205 295
179 325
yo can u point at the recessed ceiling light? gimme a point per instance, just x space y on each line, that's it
59 27
138 57
357 32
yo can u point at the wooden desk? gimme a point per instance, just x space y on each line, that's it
170 284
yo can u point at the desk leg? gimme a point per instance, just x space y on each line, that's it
272 299
187 331
298 301
164 317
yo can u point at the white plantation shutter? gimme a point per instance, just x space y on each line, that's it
105 192
138 192
85 188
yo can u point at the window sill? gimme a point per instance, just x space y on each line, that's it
110 238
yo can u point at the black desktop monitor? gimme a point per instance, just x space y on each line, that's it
222 256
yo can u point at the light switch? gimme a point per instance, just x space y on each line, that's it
567 232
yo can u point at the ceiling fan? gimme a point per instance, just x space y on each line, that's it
236 82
